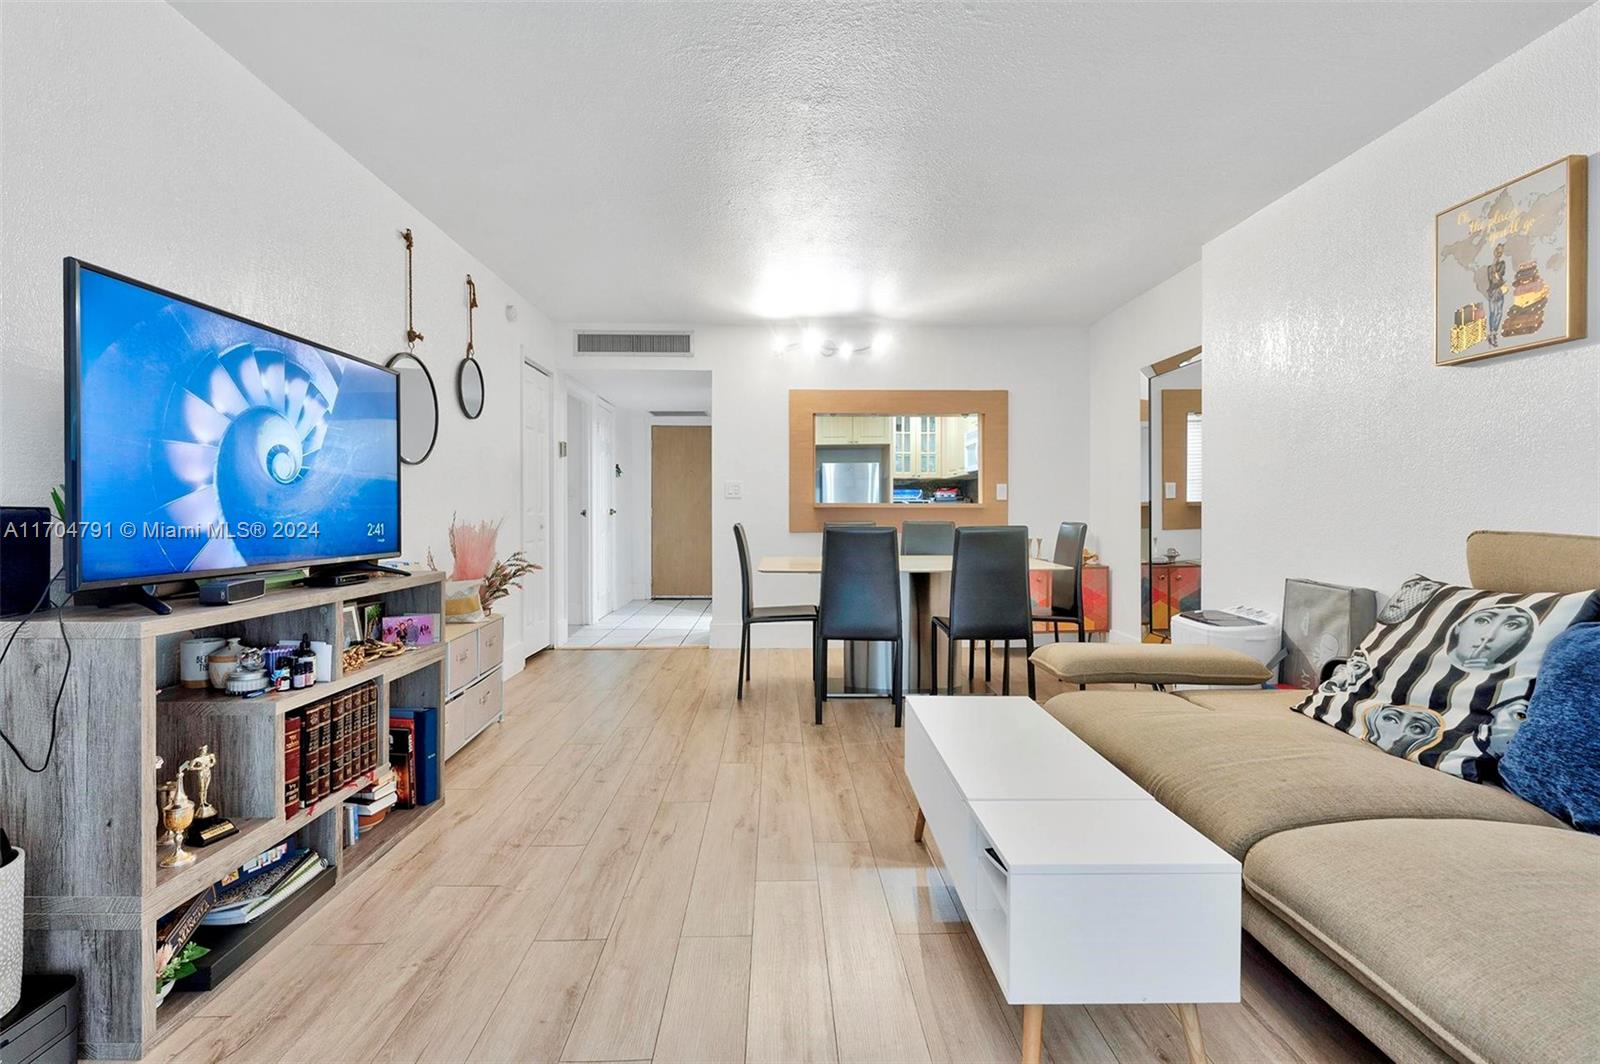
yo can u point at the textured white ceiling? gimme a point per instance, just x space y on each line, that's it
980 162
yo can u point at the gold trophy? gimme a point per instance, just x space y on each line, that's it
164 793
201 765
208 826
177 814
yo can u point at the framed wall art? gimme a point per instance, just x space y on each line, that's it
1510 266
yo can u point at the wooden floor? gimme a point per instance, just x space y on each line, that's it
635 866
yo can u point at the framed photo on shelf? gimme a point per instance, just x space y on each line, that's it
372 620
1510 266
351 622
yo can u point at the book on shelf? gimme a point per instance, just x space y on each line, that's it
374 793
292 726
373 808
257 864
259 880
425 726
175 930
263 897
403 759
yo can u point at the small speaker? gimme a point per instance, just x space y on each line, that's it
226 590
24 557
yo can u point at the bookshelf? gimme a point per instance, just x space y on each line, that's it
94 892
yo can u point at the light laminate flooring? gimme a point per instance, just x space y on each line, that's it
637 866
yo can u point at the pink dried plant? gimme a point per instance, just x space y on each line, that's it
472 548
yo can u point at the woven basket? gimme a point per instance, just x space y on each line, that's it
11 933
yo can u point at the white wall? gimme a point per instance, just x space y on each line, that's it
1340 451
132 141
1045 370
1158 324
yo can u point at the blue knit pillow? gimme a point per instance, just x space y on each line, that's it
1554 758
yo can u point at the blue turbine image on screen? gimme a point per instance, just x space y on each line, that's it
224 445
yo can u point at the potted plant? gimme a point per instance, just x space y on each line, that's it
477 580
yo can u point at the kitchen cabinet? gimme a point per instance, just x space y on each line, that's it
952 447
835 429
871 429
845 430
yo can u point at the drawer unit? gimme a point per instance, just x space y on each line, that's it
461 663
471 711
491 638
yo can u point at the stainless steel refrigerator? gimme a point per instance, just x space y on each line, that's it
850 474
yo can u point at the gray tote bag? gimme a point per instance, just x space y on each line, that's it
1322 622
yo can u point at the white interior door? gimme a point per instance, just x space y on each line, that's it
580 477
605 510
536 507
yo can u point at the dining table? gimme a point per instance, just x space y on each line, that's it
924 594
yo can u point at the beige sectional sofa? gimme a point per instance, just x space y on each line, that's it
1448 920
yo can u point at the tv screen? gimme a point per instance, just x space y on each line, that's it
200 443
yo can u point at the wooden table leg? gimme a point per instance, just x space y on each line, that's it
922 822
1032 1033
1190 1016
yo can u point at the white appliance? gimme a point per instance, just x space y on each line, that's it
1262 640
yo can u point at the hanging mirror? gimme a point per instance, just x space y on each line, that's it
419 408
469 375
1170 508
419 402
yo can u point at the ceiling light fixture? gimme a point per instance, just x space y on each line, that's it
812 342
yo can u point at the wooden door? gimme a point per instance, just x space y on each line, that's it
680 510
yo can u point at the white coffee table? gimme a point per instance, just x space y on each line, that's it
1081 888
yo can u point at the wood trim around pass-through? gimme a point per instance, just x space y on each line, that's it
991 406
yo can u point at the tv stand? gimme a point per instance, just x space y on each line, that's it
142 595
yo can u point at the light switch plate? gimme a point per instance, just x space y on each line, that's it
1000 492
1172 489
733 489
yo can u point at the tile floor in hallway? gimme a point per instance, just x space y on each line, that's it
648 623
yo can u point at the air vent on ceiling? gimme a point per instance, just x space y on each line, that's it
635 343
680 413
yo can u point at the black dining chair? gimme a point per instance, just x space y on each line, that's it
860 601
988 599
927 537
1066 588
750 614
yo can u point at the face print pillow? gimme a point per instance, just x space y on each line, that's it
1445 677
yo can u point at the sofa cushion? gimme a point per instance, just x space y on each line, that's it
1444 679
1275 701
1239 775
1554 760
1482 935
1163 663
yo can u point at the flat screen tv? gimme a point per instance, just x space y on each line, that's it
202 444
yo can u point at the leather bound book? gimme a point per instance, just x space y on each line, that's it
291 764
336 727
324 753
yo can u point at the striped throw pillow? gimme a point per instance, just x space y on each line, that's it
1445 677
